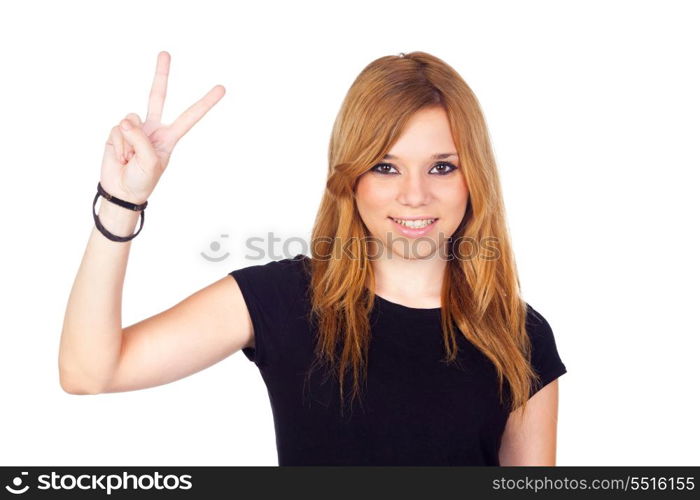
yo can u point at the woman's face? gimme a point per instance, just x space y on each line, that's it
419 184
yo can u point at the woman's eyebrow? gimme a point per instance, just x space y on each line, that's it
437 156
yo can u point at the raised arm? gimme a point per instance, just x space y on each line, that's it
96 353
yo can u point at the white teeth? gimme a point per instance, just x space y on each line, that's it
415 224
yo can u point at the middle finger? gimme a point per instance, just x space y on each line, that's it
194 113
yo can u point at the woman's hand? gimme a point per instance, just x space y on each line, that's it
137 153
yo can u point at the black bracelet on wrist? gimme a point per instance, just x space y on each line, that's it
121 203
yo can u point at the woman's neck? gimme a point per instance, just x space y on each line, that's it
410 282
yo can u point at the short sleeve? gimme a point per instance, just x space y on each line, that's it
545 356
268 290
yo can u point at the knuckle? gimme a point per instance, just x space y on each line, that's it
134 117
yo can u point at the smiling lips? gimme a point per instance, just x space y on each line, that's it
414 226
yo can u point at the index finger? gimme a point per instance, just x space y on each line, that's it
195 112
156 99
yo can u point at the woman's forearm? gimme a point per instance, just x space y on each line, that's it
92 329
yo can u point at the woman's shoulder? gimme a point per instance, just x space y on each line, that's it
279 267
274 279
539 330
273 292
535 320
545 352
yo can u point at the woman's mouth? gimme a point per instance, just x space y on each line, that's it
414 227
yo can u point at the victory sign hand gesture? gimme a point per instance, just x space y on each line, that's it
136 153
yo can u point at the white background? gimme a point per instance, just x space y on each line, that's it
593 111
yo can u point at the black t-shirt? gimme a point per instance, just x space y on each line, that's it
416 410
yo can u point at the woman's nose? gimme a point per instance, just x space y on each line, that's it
413 189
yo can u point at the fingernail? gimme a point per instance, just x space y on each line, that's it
125 124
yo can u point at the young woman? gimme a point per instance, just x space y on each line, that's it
402 340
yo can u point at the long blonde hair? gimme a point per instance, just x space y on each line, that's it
481 296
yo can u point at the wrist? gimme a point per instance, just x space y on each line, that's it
116 219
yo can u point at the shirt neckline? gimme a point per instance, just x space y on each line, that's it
416 311
426 311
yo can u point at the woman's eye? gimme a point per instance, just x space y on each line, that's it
444 167
382 168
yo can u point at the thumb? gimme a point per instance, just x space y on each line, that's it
136 137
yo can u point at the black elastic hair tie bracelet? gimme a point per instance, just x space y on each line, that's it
121 203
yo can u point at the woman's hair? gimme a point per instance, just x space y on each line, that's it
480 295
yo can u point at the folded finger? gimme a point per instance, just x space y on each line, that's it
138 142
116 139
129 151
134 118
